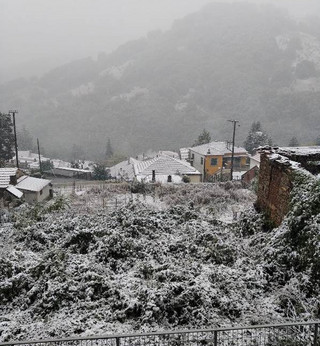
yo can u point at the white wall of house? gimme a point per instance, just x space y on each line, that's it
254 163
198 161
163 178
195 178
37 196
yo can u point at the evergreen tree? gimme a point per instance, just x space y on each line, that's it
46 165
6 138
294 142
203 138
109 150
100 172
256 138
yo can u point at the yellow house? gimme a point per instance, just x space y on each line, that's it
210 158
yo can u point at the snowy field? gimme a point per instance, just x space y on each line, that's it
106 260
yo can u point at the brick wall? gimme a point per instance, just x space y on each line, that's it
275 184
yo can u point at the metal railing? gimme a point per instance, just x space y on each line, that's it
291 334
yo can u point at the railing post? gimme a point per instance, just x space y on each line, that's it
315 337
215 338
117 341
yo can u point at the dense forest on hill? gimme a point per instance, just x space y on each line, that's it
252 63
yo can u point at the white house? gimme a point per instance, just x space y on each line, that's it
35 190
162 168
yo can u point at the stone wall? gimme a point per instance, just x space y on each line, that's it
275 185
276 177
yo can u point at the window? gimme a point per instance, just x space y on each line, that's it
214 162
169 179
202 160
237 162
41 191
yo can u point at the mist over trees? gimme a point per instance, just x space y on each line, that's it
6 138
224 62
25 140
203 138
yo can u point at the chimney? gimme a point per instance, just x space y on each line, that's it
153 176
13 180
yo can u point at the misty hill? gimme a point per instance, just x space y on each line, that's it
227 61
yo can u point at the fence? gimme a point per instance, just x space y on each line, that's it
292 334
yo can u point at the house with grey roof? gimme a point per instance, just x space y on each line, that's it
15 185
162 168
215 157
8 180
35 190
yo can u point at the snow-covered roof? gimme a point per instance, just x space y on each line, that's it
69 169
164 165
217 148
5 174
32 184
15 192
238 175
184 153
169 153
299 151
124 169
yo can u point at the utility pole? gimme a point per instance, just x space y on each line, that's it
15 134
233 141
39 156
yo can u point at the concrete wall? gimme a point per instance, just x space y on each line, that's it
195 178
275 185
33 197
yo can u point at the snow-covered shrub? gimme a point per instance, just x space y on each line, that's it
252 222
139 268
186 179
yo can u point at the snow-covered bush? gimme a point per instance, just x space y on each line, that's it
295 247
140 268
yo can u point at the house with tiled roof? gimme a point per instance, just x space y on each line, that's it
162 168
124 170
212 158
8 180
15 185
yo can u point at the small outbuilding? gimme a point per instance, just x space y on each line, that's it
35 190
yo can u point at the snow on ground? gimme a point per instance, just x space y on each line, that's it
165 257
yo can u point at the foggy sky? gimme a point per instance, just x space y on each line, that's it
36 35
